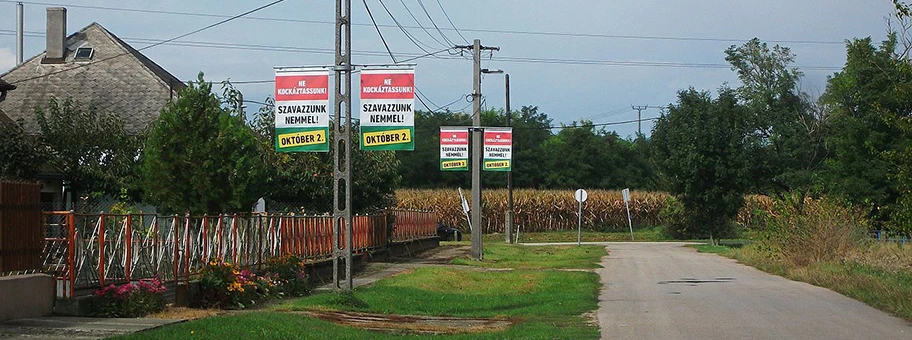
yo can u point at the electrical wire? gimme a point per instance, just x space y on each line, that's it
517 32
411 38
439 31
407 9
155 44
451 22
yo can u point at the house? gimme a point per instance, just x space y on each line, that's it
92 66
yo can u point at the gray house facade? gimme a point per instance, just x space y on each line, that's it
94 67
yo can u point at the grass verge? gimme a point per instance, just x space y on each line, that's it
500 255
881 288
643 234
544 304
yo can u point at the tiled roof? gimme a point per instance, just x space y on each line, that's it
117 79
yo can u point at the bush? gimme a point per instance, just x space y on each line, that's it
804 231
129 300
222 285
289 275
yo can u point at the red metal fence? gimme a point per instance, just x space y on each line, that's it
91 250
20 226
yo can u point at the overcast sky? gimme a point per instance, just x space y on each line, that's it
573 59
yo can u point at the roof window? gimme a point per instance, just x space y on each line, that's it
84 53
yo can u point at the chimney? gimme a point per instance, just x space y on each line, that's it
56 36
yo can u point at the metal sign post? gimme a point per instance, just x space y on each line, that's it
581 197
465 208
626 193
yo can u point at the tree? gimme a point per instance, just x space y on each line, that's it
700 148
20 156
90 148
870 100
200 156
306 179
786 133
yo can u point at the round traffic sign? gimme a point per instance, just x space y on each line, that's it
581 195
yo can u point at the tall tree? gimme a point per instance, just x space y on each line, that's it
20 155
90 148
200 156
870 99
305 180
700 147
786 132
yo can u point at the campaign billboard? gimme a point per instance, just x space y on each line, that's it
301 110
454 149
387 109
498 149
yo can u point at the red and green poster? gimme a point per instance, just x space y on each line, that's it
387 109
301 110
454 149
498 149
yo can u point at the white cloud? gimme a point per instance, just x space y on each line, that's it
7 59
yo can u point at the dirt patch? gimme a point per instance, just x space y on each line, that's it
184 313
412 323
443 254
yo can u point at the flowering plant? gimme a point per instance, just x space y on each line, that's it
131 299
223 285
289 275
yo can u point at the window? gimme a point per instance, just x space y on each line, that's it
84 53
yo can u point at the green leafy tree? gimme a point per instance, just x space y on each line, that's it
20 156
870 100
786 130
306 179
91 149
700 147
201 157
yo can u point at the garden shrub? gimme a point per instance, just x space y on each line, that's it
129 300
223 285
289 275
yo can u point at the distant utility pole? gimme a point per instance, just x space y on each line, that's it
477 247
639 110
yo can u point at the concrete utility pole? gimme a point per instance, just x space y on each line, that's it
19 32
509 214
639 110
342 215
477 247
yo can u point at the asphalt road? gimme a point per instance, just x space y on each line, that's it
666 291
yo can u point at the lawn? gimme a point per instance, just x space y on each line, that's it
642 234
884 286
543 303
500 255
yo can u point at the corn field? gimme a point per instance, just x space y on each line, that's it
551 210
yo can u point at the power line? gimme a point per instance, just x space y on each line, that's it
155 44
479 30
411 38
521 60
428 14
420 25
582 126
451 22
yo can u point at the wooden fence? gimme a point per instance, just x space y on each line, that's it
21 233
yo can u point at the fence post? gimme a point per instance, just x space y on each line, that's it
187 250
101 249
71 252
128 265
176 241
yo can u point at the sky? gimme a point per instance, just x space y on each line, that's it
573 59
